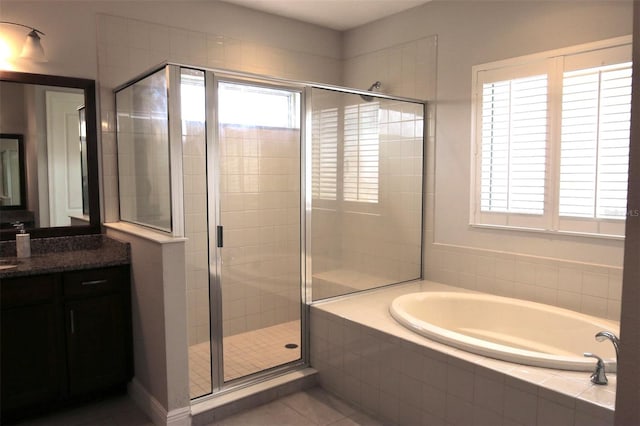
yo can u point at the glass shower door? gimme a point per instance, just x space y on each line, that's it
259 143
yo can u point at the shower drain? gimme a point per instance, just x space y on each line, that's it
290 346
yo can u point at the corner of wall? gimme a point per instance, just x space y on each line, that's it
161 382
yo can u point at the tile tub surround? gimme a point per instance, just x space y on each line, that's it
364 356
590 288
65 253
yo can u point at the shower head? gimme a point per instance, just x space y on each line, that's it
376 85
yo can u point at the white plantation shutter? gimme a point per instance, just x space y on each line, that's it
513 145
325 153
596 111
613 143
361 152
551 140
495 146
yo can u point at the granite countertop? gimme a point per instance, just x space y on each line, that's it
49 255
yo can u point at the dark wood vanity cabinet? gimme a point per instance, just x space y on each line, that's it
65 337
98 329
31 359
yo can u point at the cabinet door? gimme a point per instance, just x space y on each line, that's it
32 368
97 345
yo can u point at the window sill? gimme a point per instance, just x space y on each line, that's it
548 232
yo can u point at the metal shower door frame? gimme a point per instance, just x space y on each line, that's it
212 80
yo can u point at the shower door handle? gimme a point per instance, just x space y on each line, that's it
219 236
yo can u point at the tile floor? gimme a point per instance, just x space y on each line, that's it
311 407
114 411
244 354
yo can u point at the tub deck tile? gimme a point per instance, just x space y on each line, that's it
455 386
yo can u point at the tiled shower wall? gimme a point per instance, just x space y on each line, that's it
129 47
377 244
259 186
358 245
260 209
143 128
406 69
384 241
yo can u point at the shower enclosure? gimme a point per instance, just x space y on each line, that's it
286 192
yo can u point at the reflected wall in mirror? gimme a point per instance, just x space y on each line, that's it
84 170
56 117
12 177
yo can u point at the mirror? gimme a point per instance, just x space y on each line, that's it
52 121
12 176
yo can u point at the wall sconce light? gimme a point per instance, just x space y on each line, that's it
32 49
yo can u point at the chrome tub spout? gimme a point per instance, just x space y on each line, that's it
607 335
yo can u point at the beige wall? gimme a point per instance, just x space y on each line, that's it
71 38
158 316
628 395
12 108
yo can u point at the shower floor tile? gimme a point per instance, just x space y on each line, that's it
244 354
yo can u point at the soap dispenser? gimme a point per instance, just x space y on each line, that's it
23 242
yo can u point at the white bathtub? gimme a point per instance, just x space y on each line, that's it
508 329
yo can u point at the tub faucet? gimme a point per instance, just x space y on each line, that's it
601 336
598 377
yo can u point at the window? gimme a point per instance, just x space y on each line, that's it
514 134
596 111
192 96
243 105
551 140
346 152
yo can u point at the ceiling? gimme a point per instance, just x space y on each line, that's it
335 14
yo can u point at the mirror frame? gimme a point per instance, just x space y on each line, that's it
22 172
89 88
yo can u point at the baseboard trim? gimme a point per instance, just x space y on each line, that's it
152 408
